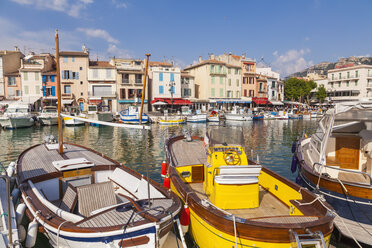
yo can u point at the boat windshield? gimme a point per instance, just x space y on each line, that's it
226 136
16 110
92 108
50 110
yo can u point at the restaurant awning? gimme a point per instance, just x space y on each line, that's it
259 100
276 102
29 99
176 101
67 101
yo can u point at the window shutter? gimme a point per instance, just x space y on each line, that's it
52 78
77 75
63 74
44 90
53 91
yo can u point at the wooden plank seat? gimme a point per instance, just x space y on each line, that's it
69 199
95 196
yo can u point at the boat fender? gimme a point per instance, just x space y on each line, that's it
21 233
185 218
15 195
294 144
10 170
164 167
13 183
31 234
20 212
294 164
167 182
299 180
31 119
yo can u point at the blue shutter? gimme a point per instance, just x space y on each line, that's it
77 75
44 91
52 78
172 89
44 78
161 89
161 76
172 77
63 74
53 91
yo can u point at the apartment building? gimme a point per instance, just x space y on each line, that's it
248 77
49 82
187 86
13 86
32 67
275 87
74 77
129 82
234 75
10 62
102 85
349 83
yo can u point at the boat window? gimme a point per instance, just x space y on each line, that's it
92 108
22 110
226 136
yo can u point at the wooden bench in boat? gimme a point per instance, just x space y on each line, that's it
69 199
238 174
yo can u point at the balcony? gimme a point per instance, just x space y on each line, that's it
109 94
369 86
67 95
369 75
125 81
344 78
138 81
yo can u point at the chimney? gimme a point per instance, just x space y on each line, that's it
211 56
16 49
230 57
85 49
200 59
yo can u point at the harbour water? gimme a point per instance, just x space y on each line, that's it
270 141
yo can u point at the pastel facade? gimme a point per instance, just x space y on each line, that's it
102 85
249 88
187 86
10 62
13 86
165 82
349 83
275 87
74 78
49 81
129 82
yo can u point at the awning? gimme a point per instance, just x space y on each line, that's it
29 99
259 100
94 101
276 103
131 101
159 103
67 101
95 98
176 101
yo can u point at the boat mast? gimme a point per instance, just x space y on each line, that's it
60 135
144 87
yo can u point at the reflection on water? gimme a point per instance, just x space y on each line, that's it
270 140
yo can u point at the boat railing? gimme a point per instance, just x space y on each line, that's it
320 165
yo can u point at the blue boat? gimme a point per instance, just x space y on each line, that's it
131 116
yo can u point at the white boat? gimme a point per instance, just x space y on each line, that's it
94 114
74 111
8 239
238 114
84 199
49 116
282 115
131 115
197 118
16 116
336 162
213 117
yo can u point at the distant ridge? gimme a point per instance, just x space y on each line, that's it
323 67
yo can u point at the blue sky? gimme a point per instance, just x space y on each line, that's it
289 35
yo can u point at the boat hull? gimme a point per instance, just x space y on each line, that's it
237 117
172 122
134 119
213 119
16 122
197 118
48 121
72 122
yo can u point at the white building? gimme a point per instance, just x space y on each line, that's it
275 87
166 82
10 61
102 84
349 83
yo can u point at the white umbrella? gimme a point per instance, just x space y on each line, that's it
159 103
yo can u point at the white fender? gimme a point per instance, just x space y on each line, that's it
31 234
21 233
20 212
10 170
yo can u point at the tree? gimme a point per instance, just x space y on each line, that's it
321 94
298 89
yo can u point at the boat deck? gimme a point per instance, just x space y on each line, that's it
353 178
38 160
269 205
188 153
360 231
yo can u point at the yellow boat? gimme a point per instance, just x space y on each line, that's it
231 201
170 120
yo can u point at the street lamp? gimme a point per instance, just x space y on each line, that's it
171 91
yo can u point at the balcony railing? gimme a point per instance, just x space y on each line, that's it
138 81
125 81
344 78
102 93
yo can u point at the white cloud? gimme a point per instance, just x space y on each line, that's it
119 4
70 7
113 50
307 38
98 33
291 61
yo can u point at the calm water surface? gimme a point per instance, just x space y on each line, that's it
271 141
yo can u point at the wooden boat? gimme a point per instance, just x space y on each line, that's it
131 115
48 116
336 162
16 116
213 116
235 202
82 198
74 111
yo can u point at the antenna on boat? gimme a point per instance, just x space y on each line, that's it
144 87
60 134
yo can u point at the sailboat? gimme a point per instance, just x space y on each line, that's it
81 198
